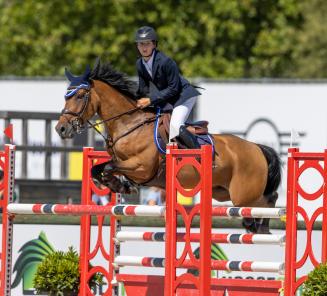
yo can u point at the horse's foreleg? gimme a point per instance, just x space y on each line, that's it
97 170
120 167
104 174
115 184
132 168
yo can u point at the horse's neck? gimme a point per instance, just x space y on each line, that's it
127 143
113 103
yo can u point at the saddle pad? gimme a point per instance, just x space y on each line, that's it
202 140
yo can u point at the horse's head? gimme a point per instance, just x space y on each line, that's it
77 109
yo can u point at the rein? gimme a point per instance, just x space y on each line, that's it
110 142
93 125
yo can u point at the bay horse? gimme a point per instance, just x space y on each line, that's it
244 172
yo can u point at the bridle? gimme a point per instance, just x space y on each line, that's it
78 123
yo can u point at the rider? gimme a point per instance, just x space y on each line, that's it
172 91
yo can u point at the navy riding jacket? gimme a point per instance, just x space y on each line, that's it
172 89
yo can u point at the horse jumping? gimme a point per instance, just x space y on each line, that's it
244 172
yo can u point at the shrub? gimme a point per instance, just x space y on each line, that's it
316 283
58 274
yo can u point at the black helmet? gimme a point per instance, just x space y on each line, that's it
146 33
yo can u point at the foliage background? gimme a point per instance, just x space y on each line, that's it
211 38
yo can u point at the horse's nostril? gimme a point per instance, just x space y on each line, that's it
62 129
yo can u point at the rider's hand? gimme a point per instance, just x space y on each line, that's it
143 102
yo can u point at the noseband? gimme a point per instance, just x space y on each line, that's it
77 123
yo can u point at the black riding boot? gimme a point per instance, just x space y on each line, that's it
187 138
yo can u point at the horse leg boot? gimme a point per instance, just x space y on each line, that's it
113 182
97 170
104 174
187 138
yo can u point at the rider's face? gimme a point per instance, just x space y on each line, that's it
145 48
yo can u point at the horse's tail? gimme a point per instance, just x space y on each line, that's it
274 169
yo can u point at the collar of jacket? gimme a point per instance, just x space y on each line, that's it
156 61
155 64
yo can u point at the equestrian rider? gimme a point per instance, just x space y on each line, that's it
171 91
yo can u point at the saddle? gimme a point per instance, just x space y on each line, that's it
196 128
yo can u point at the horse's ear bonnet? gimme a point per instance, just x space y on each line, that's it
78 80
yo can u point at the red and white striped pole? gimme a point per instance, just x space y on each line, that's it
7 163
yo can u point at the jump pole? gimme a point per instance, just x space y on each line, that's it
135 210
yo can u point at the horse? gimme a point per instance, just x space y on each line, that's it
244 172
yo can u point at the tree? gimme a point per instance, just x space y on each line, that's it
310 50
213 38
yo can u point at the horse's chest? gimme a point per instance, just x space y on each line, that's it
123 151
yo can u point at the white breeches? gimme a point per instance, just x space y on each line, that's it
179 116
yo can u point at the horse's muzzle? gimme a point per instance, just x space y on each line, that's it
65 131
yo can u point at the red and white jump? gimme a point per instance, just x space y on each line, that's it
173 283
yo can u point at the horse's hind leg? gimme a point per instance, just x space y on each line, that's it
220 194
246 190
261 225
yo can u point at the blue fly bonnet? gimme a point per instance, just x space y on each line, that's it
77 82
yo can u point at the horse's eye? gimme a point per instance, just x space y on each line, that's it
79 97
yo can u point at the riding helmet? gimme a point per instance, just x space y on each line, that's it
146 33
